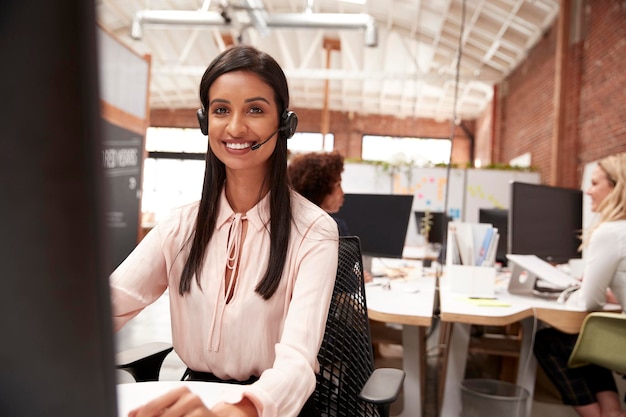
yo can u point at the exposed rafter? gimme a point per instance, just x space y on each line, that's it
410 73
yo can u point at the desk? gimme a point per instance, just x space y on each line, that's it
420 253
408 302
462 313
132 395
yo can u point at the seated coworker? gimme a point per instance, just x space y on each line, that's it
591 389
317 176
250 267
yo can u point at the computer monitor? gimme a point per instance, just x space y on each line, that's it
545 221
379 220
438 226
57 349
498 218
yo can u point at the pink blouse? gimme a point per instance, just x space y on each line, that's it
276 339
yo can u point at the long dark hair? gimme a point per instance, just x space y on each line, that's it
250 59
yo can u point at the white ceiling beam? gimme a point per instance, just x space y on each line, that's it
331 74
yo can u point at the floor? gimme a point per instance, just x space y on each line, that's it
153 324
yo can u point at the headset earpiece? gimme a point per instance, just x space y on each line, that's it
202 120
288 123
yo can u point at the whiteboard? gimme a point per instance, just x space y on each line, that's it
491 189
366 179
434 190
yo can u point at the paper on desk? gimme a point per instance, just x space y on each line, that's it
486 302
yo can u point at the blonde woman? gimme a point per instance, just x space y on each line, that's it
591 389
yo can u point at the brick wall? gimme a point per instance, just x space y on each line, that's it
595 104
603 90
483 148
526 102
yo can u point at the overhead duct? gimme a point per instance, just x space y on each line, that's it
326 21
258 15
176 17
338 21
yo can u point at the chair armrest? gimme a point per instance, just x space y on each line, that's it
383 386
143 362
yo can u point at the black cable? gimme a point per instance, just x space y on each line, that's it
459 54
442 256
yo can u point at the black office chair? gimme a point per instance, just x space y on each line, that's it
347 384
144 362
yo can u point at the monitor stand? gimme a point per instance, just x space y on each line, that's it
522 280
526 270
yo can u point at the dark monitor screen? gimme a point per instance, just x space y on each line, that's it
438 226
498 218
379 220
57 354
545 221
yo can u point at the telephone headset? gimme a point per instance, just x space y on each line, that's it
288 125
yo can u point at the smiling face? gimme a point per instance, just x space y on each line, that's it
242 112
600 187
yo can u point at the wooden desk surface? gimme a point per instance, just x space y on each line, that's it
419 253
509 308
408 299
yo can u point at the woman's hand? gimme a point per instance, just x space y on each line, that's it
610 297
181 402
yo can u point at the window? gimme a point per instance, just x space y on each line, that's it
310 142
416 151
174 169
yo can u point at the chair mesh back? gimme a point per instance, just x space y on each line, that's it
345 356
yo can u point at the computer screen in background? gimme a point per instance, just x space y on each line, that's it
498 218
545 221
379 220
439 225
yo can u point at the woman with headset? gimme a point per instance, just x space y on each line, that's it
591 389
250 267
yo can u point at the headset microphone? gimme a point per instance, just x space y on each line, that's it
258 145
288 124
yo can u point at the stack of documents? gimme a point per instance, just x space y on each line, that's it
472 244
